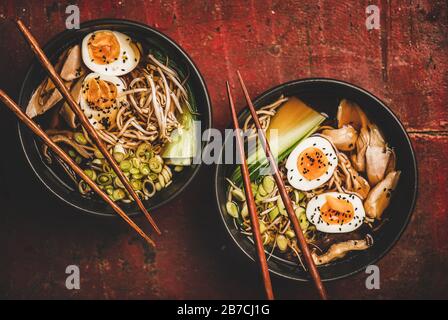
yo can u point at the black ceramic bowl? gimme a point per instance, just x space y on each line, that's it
57 182
324 95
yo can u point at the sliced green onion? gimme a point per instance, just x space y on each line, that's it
98 154
282 242
156 164
254 187
142 149
109 189
178 168
83 187
281 206
118 183
104 179
301 215
232 209
263 227
259 197
90 173
144 169
80 138
149 188
261 191
97 161
125 165
268 184
119 153
137 176
118 194
136 184
290 234
274 213
244 211
106 168
136 162
238 194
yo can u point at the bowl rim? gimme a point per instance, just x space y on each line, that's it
143 28
361 90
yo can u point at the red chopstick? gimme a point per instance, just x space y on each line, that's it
286 200
251 203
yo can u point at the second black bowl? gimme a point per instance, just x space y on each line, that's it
324 96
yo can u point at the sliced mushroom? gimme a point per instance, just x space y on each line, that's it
392 162
42 100
359 158
66 112
344 138
46 95
357 184
349 113
339 250
379 197
377 156
72 68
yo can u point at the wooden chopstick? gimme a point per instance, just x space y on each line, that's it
59 83
284 195
69 161
251 203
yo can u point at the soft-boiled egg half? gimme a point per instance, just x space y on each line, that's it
335 212
100 99
311 163
109 52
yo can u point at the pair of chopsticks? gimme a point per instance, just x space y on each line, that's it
69 161
283 194
59 83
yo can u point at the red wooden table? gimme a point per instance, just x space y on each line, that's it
404 63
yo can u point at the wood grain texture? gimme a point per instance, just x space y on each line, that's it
404 63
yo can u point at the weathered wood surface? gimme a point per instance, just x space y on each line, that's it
404 63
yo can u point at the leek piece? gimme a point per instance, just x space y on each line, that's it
282 242
232 209
136 184
178 168
104 179
144 169
142 149
182 148
155 164
79 138
293 122
125 165
90 173
118 183
118 194
119 153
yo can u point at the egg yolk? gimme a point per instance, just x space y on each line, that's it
337 211
100 94
312 163
103 47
